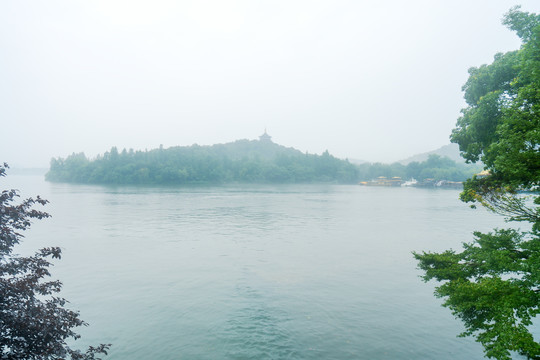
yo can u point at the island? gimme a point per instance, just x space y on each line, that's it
248 161
242 161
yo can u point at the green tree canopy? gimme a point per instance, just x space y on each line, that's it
240 161
501 124
493 285
34 322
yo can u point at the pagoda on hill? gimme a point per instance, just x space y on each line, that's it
265 137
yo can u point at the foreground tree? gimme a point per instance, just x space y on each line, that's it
493 285
34 324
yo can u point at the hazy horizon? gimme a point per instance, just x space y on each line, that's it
373 81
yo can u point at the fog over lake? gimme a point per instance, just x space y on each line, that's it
256 271
375 81
205 166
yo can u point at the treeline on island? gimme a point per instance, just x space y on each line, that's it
436 167
242 161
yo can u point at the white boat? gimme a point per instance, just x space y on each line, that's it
411 182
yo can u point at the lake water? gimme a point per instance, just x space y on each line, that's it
255 272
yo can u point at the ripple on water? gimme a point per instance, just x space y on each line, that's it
256 330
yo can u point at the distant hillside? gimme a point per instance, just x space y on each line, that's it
435 167
450 151
240 149
255 161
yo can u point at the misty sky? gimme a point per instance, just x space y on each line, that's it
371 80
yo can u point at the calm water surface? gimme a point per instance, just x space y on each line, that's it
256 272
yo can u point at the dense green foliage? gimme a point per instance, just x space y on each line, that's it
241 161
493 285
501 125
34 321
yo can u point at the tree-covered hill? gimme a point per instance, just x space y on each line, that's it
248 161
450 151
240 161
